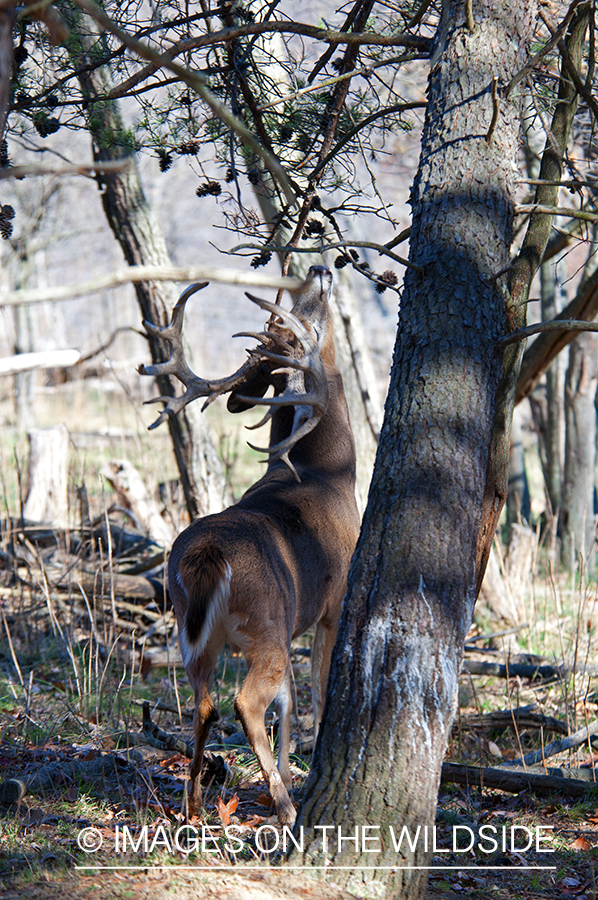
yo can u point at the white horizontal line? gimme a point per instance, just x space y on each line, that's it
331 868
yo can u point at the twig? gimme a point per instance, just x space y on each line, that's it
469 17
495 109
107 343
554 325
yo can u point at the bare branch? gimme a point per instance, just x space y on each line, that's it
46 359
534 208
554 325
75 169
149 273
334 38
569 743
389 110
364 71
548 46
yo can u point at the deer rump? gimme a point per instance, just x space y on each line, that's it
260 547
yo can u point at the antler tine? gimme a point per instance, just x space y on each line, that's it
316 398
292 322
177 365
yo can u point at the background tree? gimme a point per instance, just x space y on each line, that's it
142 242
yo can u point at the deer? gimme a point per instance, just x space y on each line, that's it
275 564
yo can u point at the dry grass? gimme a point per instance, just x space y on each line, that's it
73 676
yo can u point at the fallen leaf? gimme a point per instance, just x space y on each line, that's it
580 844
225 810
254 822
265 800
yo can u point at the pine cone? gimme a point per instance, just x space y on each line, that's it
262 260
341 261
189 148
7 214
165 160
209 187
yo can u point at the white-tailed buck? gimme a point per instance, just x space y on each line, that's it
274 565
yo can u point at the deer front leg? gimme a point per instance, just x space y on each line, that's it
261 686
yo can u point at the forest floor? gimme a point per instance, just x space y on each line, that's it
71 733
86 637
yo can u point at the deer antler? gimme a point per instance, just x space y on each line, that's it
310 405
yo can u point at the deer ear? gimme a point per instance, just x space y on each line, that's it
253 387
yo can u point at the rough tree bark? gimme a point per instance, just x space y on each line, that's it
142 243
440 477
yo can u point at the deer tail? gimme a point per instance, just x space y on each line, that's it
204 574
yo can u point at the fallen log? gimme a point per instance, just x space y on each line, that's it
514 781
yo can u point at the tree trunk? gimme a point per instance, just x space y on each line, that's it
8 17
424 540
578 519
549 419
518 499
555 419
142 243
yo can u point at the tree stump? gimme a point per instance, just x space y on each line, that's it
47 497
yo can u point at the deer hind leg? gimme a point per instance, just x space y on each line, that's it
266 678
321 652
200 675
283 703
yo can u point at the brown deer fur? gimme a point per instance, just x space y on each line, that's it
274 565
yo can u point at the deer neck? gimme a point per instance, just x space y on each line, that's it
329 450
